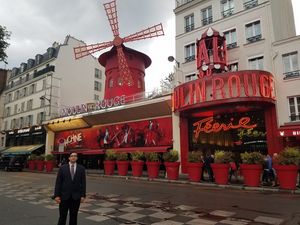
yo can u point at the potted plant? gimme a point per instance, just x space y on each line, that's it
287 167
221 166
137 163
122 163
49 162
172 166
109 162
195 164
31 161
153 164
251 168
40 162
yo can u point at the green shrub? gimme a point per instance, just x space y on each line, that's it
223 157
289 156
252 158
152 156
49 157
122 156
171 156
32 157
195 156
40 157
137 156
110 155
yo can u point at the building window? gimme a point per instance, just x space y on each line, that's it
227 7
5 125
96 97
189 23
9 97
233 66
111 83
40 118
190 77
29 120
27 77
230 38
290 65
98 73
294 104
44 84
207 16
32 89
29 104
42 102
256 63
16 109
248 4
17 95
253 32
97 86
189 52
7 111
21 122
22 106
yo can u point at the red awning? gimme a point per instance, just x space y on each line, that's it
143 149
289 130
81 151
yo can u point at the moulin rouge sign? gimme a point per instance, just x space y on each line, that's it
230 85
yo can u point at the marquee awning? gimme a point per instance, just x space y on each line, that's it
21 150
289 130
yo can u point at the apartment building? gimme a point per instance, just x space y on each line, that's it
43 86
260 35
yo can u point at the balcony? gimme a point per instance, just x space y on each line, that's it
254 38
189 28
291 74
227 12
207 21
232 45
182 2
250 4
190 58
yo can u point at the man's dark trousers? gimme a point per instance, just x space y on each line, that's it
71 205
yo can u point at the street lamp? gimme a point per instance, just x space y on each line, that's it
172 59
43 97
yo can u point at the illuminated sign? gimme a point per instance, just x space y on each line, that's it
103 104
208 125
250 133
240 84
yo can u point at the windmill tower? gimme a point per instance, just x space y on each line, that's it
124 67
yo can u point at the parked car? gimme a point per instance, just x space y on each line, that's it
10 163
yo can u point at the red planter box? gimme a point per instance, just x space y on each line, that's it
122 167
153 169
109 167
172 169
221 172
195 171
49 166
40 165
31 165
137 168
287 176
251 174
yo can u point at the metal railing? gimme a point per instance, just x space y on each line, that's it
294 117
291 74
254 38
207 20
227 12
250 4
189 28
182 2
190 58
232 45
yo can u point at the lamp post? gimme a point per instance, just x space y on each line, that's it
178 79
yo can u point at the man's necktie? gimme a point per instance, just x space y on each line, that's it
72 171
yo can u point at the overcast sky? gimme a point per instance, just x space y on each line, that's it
36 24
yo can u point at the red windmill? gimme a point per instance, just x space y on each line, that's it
124 67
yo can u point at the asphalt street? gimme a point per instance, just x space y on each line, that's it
25 200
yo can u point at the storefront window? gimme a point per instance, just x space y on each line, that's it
236 132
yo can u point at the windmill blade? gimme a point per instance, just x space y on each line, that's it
111 12
85 50
125 73
155 31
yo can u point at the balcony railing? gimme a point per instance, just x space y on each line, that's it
291 74
250 4
190 58
182 2
227 12
254 38
294 117
207 20
232 45
189 28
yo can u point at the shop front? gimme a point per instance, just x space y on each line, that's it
290 135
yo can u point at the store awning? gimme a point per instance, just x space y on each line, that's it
2 149
289 131
81 151
21 150
143 149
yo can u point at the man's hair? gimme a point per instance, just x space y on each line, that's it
73 153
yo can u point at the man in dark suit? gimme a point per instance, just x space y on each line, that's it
70 190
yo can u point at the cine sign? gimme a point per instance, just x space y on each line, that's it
240 84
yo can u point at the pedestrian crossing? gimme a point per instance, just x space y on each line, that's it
117 209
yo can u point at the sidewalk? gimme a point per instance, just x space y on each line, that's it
183 179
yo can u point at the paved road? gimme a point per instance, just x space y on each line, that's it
25 200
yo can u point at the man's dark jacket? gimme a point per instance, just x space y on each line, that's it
65 187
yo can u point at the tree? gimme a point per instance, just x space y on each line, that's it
4 36
168 82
